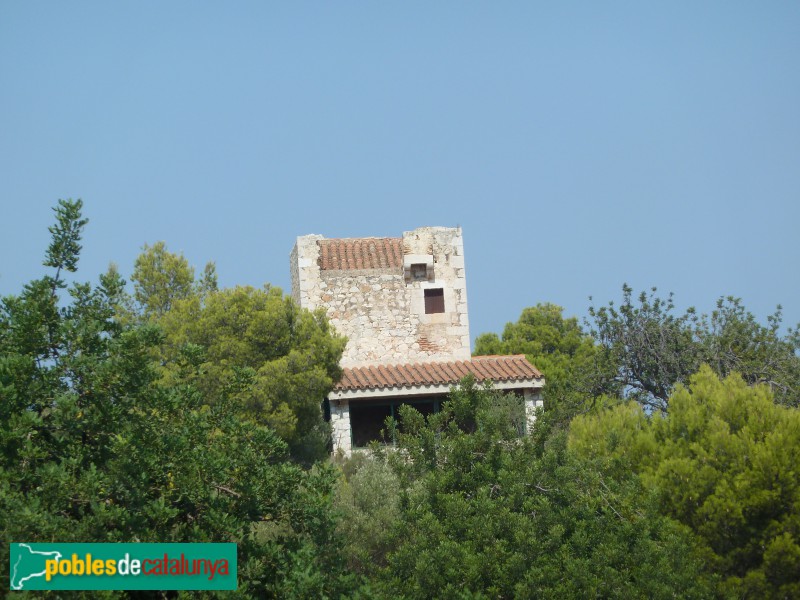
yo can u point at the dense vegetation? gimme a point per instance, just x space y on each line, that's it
664 465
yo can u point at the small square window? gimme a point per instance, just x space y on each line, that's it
419 272
434 301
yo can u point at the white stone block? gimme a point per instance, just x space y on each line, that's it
458 330
457 261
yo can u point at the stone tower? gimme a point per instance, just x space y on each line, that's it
402 303
396 299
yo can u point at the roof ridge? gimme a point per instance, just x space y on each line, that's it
501 368
352 239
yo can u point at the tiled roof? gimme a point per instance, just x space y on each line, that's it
361 253
497 368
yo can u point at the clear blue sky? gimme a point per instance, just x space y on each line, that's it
580 145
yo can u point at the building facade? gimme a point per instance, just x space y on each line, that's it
402 304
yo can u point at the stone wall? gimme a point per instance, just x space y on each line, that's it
533 400
382 310
305 271
340 427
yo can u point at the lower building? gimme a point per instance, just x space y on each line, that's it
366 396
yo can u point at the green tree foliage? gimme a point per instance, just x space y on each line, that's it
161 278
283 359
655 348
732 340
173 416
574 368
96 447
368 501
286 359
723 461
486 514
65 247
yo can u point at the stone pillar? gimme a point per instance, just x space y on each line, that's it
340 427
533 400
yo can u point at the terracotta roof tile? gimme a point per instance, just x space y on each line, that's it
360 253
495 368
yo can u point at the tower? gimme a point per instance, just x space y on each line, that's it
402 304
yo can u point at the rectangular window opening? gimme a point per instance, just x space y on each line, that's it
419 272
434 301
